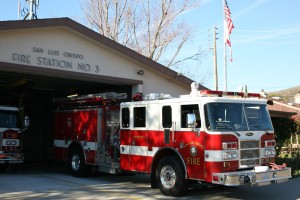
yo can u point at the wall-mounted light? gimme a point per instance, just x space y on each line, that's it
178 74
72 95
140 72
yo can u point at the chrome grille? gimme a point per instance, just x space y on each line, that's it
249 153
249 144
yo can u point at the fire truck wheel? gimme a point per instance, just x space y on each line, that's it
170 177
77 164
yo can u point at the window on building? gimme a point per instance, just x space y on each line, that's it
139 115
167 116
125 117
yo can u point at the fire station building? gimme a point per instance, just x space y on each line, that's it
48 58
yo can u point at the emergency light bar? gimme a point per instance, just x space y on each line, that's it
222 93
157 96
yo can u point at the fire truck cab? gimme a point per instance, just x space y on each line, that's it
10 136
206 136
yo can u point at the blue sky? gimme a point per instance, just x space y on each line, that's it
265 40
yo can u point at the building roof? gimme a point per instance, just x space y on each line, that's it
290 111
78 28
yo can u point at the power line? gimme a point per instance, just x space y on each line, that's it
265 31
268 37
270 43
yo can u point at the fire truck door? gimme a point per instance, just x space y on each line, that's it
195 156
191 142
138 140
168 125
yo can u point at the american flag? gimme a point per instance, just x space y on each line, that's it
228 25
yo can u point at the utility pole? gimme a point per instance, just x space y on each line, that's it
215 57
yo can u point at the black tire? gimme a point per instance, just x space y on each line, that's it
76 163
170 177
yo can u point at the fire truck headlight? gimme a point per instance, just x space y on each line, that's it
11 142
270 152
270 143
253 179
229 145
230 155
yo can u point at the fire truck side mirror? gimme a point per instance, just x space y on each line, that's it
190 120
26 121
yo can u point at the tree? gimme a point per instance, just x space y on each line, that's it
283 128
153 28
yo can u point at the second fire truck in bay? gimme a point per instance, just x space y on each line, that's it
205 137
11 136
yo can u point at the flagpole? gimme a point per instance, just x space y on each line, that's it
225 60
225 67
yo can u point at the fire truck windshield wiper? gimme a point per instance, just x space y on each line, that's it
261 128
227 127
231 129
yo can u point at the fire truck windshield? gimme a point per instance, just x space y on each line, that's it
8 119
222 117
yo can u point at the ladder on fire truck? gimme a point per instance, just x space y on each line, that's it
89 100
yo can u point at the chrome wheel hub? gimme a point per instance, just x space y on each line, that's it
167 177
75 162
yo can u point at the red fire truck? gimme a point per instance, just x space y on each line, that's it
10 136
213 137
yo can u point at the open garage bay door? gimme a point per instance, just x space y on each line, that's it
35 88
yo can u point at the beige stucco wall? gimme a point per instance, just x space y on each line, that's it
52 47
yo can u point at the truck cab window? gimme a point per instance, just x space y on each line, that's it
166 116
125 117
139 115
186 109
9 119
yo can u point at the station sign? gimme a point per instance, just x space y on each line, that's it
56 59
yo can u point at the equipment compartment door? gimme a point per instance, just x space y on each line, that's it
61 135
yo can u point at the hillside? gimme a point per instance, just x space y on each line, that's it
287 94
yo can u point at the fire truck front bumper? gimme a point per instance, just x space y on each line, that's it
252 177
11 157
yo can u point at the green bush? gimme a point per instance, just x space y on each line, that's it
292 159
